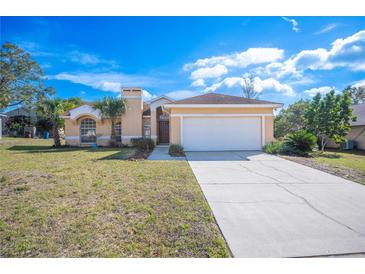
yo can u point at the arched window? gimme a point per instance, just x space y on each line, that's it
88 131
118 132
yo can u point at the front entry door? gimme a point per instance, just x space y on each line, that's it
163 132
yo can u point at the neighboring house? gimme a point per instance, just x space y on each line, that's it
2 116
22 113
207 122
357 132
20 122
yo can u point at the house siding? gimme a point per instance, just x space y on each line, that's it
132 118
176 120
72 131
357 134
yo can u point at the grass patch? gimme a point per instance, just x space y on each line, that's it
71 202
348 159
347 164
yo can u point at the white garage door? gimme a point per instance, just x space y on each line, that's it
221 133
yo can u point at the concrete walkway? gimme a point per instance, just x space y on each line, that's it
267 206
161 153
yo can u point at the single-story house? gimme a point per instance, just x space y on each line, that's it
357 132
25 118
209 122
2 116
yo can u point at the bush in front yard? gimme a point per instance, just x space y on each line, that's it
176 150
274 147
300 142
145 144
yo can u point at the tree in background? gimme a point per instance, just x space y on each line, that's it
357 94
21 78
248 87
329 117
291 119
52 109
111 108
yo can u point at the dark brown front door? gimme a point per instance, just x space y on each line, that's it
163 132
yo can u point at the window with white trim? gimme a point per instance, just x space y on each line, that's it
88 131
147 131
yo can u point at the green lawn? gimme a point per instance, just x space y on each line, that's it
347 164
93 203
347 159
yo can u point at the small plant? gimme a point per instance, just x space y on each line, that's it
146 144
21 188
176 150
300 142
274 147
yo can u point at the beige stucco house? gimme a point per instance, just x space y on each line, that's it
208 122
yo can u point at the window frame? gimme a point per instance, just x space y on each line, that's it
88 124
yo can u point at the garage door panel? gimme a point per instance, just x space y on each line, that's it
221 133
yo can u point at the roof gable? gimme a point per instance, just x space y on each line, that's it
159 101
160 98
85 109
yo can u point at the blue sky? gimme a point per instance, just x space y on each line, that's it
288 57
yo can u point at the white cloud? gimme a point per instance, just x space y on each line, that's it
359 83
326 28
107 81
228 82
293 22
259 85
198 83
84 58
65 55
242 59
182 94
348 53
272 84
147 96
322 90
211 72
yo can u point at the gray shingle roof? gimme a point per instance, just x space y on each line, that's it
359 112
215 98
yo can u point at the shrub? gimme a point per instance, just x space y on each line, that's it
274 147
145 144
176 150
300 142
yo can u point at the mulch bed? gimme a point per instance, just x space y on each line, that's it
346 173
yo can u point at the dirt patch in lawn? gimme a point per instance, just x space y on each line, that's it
341 171
139 154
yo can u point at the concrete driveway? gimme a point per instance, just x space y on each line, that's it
270 207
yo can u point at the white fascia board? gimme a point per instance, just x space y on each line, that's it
84 110
223 105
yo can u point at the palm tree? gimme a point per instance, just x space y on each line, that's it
111 108
52 109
